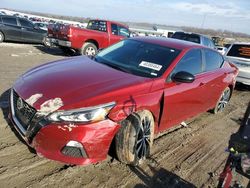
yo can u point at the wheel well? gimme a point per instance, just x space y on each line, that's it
231 87
134 116
94 42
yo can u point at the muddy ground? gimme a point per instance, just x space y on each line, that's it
187 157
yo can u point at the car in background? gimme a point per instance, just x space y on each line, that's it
221 49
41 25
99 34
239 54
128 93
18 29
194 37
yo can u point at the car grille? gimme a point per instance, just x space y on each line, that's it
23 111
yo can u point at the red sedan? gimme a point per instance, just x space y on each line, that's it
71 110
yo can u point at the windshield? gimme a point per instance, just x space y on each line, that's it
97 25
240 50
138 58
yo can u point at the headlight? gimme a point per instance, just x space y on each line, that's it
85 115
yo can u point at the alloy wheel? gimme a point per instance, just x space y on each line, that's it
90 51
224 99
143 139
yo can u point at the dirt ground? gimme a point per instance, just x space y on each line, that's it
187 157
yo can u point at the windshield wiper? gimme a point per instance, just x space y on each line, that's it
117 67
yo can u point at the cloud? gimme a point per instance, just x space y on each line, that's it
227 10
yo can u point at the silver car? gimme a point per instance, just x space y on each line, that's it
239 54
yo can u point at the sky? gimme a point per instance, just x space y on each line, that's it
233 15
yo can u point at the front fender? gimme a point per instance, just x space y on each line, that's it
150 101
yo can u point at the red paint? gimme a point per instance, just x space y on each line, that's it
95 138
81 82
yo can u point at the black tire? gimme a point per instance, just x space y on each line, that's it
88 49
223 100
1 37
135 138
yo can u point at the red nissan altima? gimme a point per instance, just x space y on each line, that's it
71 110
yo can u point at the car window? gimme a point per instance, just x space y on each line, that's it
123 31
206 41
25 23
191 62
240 50
119 30
213 60
114 29
211 44
9 20
97 25
187 36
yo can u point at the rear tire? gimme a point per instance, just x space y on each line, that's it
1 37
134 140
88 49
223 100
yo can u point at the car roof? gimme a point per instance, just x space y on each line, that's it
169 42
245 43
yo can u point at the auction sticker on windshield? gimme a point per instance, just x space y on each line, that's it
150 65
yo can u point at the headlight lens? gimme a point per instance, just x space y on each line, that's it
85 115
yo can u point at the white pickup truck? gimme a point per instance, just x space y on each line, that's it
239 54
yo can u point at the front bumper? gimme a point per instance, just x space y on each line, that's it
51 139
95 139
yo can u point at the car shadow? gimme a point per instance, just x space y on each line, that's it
5 107
242 87
55 51
160 178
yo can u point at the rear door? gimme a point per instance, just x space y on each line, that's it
29 32
10 28
184 100
214 75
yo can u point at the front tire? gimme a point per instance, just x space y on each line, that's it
223 100
135 138
88 49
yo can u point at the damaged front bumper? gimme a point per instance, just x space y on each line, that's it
69 143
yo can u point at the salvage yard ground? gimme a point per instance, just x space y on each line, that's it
189 157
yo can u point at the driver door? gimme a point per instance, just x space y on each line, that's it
29 33
184 100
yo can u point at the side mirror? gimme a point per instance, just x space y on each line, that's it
36 27
183 77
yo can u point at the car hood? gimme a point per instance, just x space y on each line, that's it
78 80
